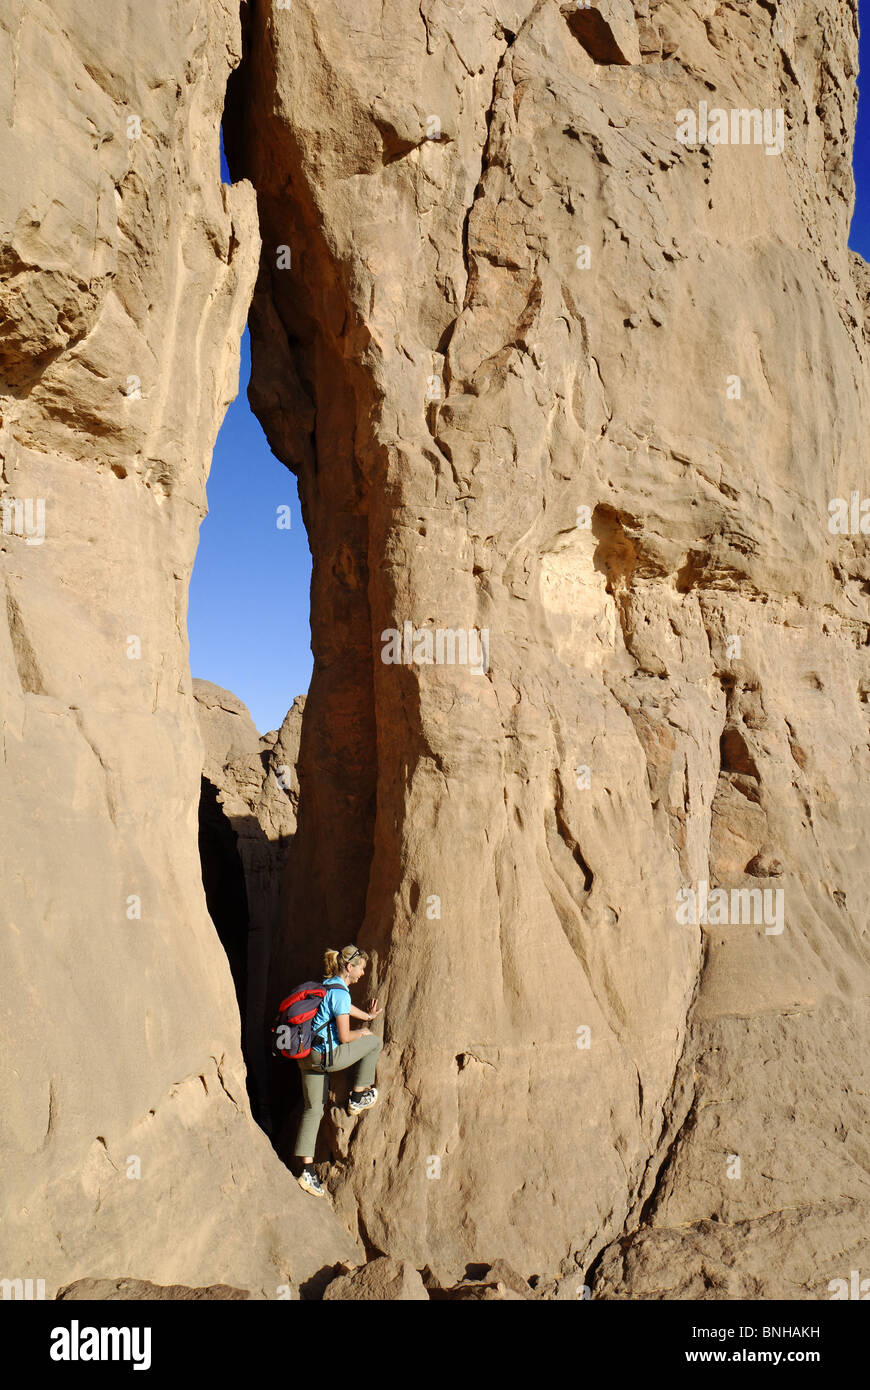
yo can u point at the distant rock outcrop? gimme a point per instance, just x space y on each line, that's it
248 811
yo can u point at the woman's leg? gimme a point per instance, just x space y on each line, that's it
365 1073
361 1051
315 1089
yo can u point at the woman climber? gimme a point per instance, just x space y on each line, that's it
339 1048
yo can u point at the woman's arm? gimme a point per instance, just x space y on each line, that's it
358 1013
342 1023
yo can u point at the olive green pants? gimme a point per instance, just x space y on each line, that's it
315 1083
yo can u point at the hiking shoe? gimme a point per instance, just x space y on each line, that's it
311 1183
362 1100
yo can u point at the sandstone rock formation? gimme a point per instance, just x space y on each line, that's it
546 369
126 1142
549 372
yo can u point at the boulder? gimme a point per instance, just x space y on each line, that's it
382 1279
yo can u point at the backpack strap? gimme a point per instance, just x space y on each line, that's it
326 1037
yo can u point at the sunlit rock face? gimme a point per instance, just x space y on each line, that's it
126 269
567 348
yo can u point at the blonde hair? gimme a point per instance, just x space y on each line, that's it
333 961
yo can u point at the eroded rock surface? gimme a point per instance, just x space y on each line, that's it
548 371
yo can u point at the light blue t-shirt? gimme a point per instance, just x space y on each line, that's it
334 1002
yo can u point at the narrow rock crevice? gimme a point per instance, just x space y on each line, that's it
308 387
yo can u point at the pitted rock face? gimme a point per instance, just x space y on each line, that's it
555 364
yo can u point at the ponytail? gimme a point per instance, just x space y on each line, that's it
334 961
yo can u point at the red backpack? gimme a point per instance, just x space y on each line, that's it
292 1031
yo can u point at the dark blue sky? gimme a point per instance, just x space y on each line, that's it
248 615
860 238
